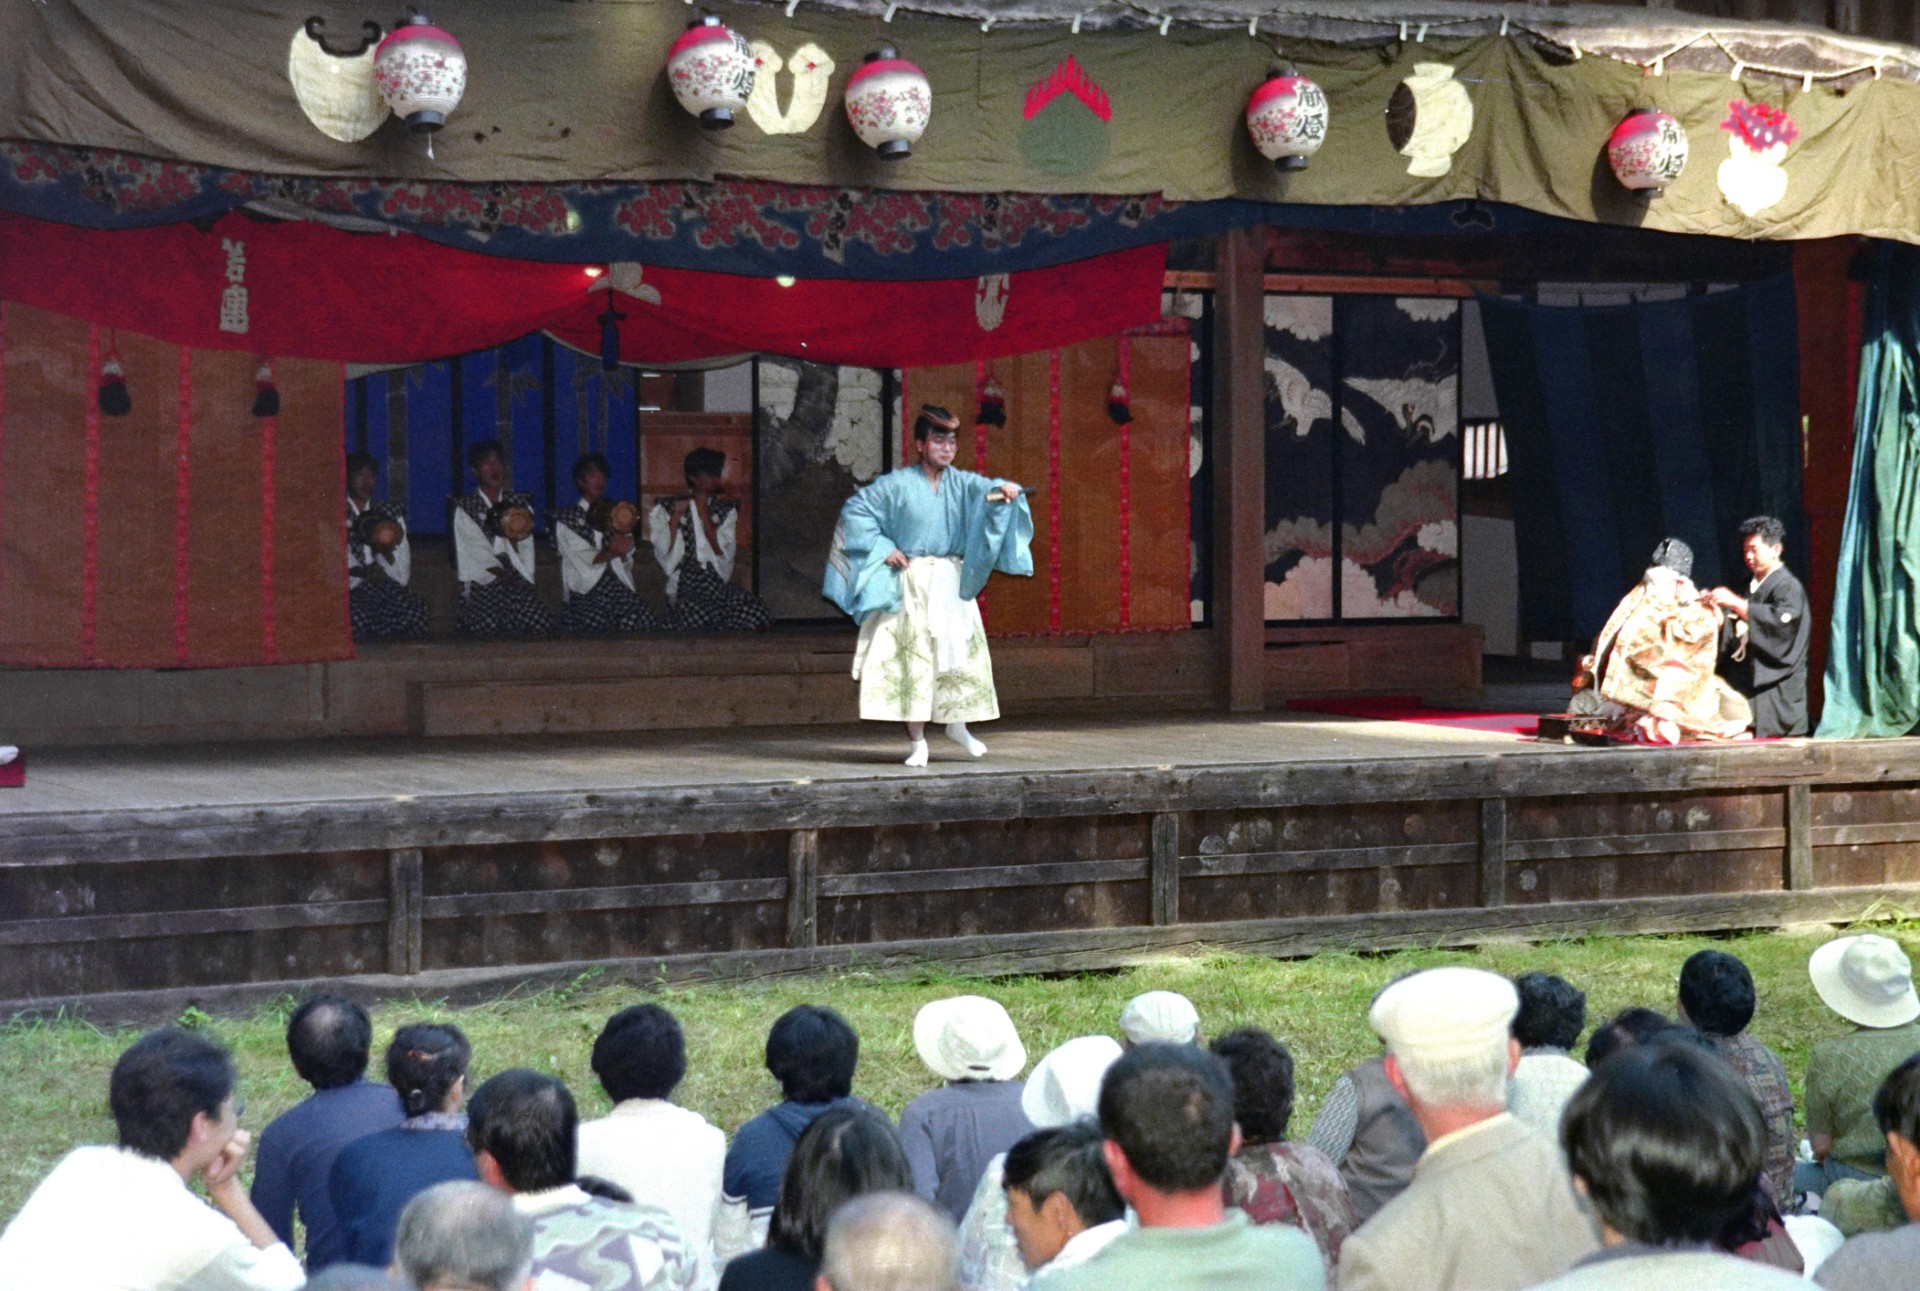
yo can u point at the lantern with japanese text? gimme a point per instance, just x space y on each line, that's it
421 72
1647 151
711 70
889 103
1287 117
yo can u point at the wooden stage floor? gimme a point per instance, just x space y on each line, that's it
136 880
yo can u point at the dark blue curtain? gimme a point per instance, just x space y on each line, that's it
1628 424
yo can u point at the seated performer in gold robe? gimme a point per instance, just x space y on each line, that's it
1652 666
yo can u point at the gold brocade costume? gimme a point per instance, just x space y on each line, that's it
1654 662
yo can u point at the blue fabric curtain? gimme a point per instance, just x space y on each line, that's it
1627 424
1873 661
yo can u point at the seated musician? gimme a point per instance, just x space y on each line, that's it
1652 666
694 538
379 561
596 558
493 553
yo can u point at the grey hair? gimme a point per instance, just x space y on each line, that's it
354 1277
464 1236
891 1241
1470 1080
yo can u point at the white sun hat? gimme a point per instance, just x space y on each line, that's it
968 1037
1445 1014
1160 1017
1866 979
1065 1085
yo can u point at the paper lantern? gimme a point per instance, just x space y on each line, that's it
421 72
1647 150
1287 117
889 103
711 70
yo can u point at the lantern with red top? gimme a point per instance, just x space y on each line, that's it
1287 117
1647 151
421 72
711 71
889 103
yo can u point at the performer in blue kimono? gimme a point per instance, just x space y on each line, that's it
910 554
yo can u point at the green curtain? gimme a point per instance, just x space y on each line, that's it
1873 663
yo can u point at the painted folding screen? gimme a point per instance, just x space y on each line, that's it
1627 424
544 402
1363 452
1109 500
185 533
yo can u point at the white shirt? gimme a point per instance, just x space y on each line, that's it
669 543
398 563
668 1157
475 553
1083 1246
107 1219
578 572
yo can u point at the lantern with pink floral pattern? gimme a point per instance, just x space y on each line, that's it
1287 117
889 103
421 72
711 71
1647 151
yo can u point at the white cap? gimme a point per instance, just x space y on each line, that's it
1065 1085
1866 979
1446 1013
968 1037
1164 1017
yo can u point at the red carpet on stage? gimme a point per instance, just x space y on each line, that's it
1408 708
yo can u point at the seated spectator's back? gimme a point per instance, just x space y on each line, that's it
1883 1261
1552 1014
1717 998
1867 980
328 1041
952 1132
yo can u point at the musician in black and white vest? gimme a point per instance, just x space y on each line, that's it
493 553
695 538
379 561
596 541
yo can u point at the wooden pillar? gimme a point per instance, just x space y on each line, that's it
803 889
1164 869
405 905
1240 469
1826 304
1493 852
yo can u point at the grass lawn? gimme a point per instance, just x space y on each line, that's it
53 1074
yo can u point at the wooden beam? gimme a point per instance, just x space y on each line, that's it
1336 284
1493 852
1069 951
405 909
1799 818
803 889
1238 449
1165 868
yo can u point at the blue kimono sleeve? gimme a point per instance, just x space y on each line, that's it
999 537
858 578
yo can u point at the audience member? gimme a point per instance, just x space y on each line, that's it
1630 1026
355 1277
464 1236
844 1152
662 1155
1717 999
1160 1017
124 1216
1366 1129
812 1052
375 1177
329 1039
1167 1112
1886 1260
1553 1013
1272 1180
523 1128
889 1241
1666 1142
1868 981
952 1132
1061 1204
1857 1206
1491 1207
1064 1087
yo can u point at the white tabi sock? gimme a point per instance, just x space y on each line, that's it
918 757
957 732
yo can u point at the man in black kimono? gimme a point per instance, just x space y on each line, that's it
1767 632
